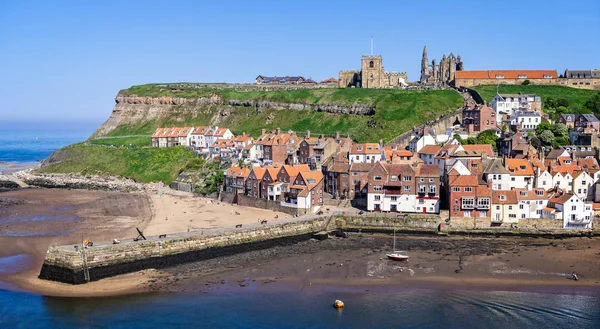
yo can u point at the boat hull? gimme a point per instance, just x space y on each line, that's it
397 257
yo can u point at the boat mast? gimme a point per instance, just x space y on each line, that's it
394 240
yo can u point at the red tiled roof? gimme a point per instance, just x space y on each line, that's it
367 148
485 148
508 74
510 197
465 180
430 149
519 167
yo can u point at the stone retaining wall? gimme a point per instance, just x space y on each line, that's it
246 201
65 263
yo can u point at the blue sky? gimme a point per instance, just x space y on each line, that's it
66 60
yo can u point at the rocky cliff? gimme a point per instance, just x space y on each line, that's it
135 110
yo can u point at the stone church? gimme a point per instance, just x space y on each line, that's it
371 75
442 73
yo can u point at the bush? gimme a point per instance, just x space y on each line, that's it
526 82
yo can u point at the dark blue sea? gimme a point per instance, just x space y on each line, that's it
408 308
402 308
22 142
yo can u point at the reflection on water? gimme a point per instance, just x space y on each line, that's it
416 308
14 264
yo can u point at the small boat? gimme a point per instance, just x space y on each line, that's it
338 304
397 255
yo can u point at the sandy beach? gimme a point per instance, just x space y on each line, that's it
33 219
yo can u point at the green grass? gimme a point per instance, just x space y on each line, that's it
576 97
123 141
140 164
397 111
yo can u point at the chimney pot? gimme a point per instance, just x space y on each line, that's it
337 135
278 131
308 134
263 131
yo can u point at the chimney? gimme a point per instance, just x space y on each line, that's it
321 136
278 131
263 131
381 142
337 135
489 183
504 160
308 134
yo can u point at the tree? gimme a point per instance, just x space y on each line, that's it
560 141
535 142
593 104
547 137
543 126
471 140
560 130
526 82
487 137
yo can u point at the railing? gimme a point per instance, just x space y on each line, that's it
468 206
483 206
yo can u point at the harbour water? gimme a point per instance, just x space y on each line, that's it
408 308
401 308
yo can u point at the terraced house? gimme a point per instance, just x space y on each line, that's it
403 188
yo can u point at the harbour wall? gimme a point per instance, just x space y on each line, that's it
102 260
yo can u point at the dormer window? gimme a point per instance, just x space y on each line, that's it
499 76
547 76
359 148
523 193
522 76
522 167
503 198
377 177
539 192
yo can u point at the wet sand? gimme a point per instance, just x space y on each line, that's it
37 218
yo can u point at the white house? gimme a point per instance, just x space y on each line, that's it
417 142
504 207
365 153
509 103
197 138
217 133
532 202
184 136
428 153
564 182
543 179
521 172
496 175
583 185
526 120
571 209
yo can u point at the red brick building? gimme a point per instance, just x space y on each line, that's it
479 118
468 198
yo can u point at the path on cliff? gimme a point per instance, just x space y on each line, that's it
126 136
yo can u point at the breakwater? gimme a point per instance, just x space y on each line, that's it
76 266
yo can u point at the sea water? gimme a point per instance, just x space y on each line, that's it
405 308
33 142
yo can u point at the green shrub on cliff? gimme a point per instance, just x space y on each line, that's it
140 164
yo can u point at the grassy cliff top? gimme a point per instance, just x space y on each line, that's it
575 97
397 111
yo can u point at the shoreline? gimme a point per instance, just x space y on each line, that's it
444 262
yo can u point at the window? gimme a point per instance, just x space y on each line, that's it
503 198
499 76
468 189
394 198
497 207
456 189
377 197
467 213
432 188
546 76
394 178
431 180
377 177
354 174
522 215
422 188
406 188
407 178
483 213
512 179
538 212
522 76
483 202
512 216
573 207
377 188
371 64
523 193
468 203
521 206
509 207
354 182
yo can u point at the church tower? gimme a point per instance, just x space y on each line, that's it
372 72
424 66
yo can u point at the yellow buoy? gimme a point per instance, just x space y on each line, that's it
338 304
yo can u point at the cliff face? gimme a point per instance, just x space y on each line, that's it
136 110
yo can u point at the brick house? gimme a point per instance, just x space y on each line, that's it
254 180
270 187
468 198
235 179
358 179
337 182
306 192
479 118
272 148
403 188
